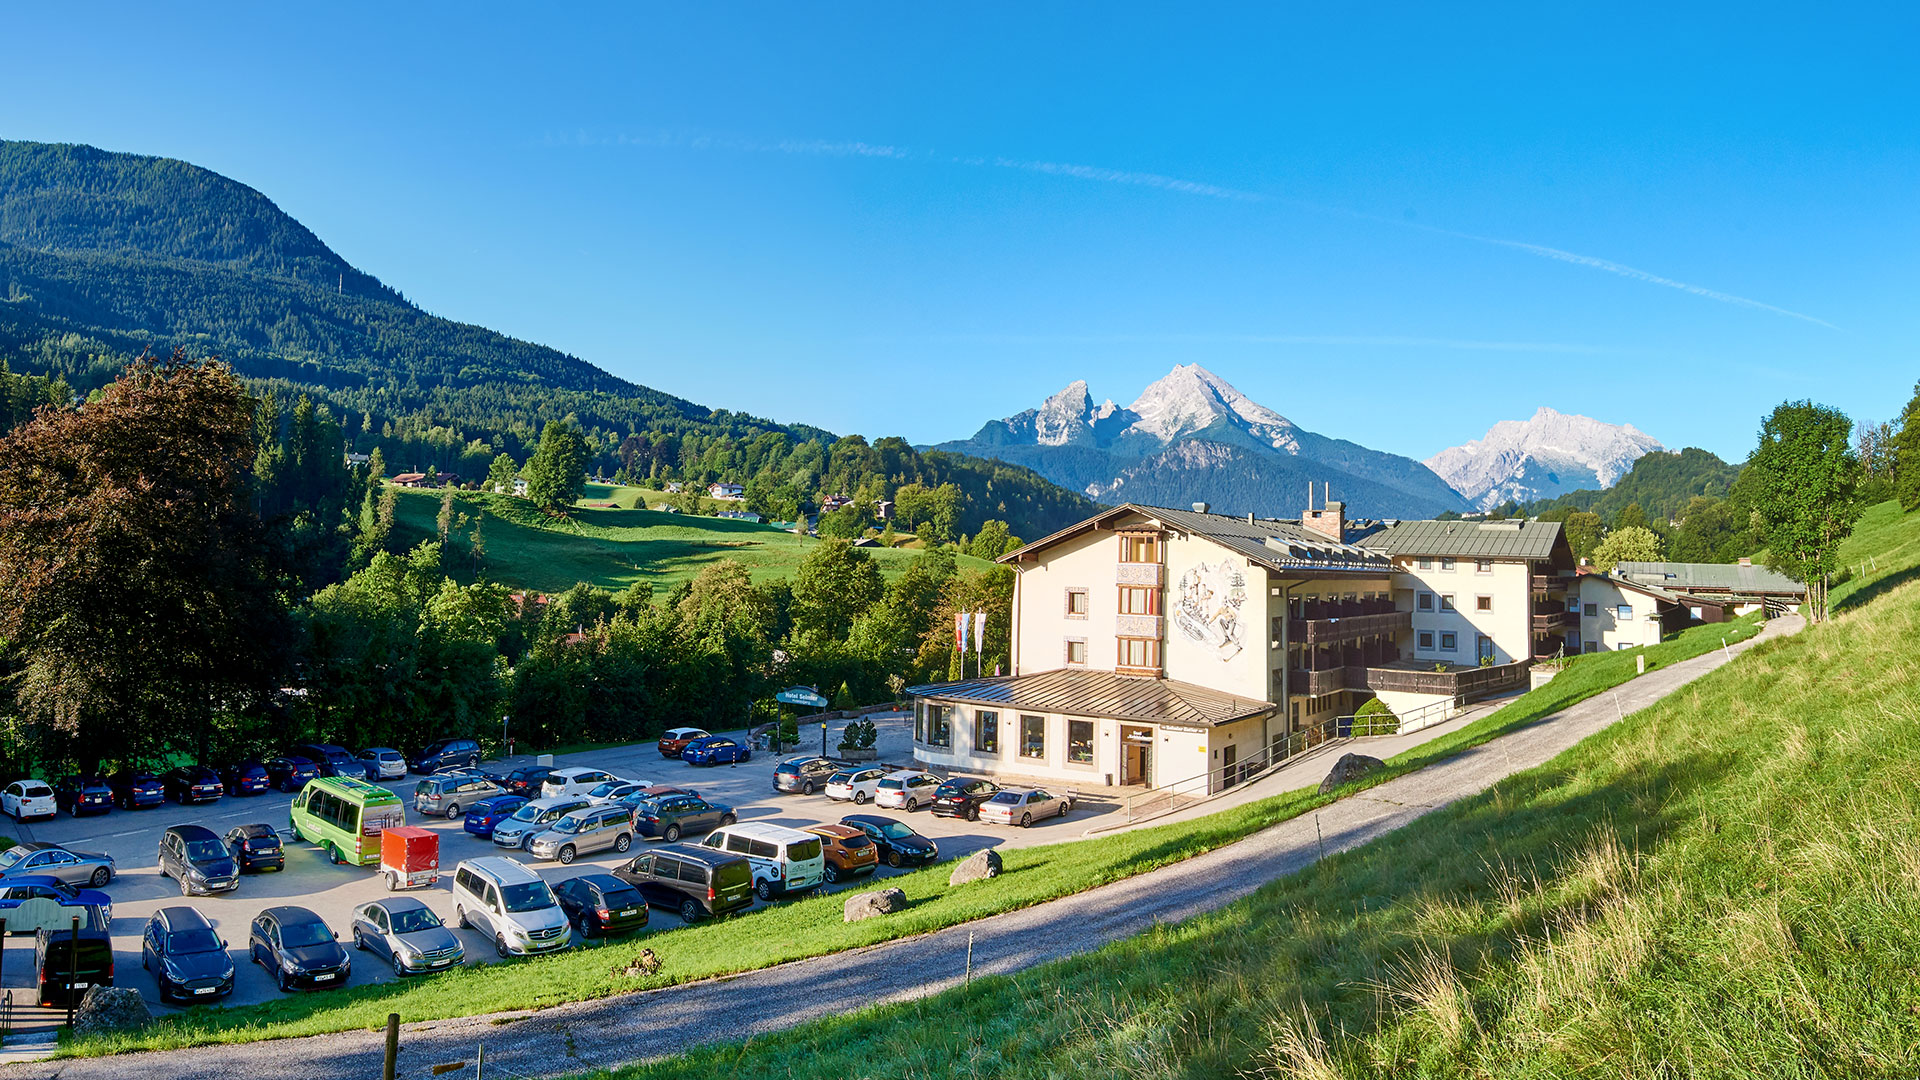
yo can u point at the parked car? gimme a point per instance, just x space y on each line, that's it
804 774
961 796
526 781
245 778
194 856
784 860
25 799
1023 808
531 819
135 788
449 794
256 847
290 774
715 750
83 795
191 784
188 958
445 754
68 965
332 760
615 790
856 785
672 816
37 858
675 740
383 763
31 902
503 900
482 816
595 827
600 904
697 882
299 948
848 851
899 845
574 781
408 935
907 790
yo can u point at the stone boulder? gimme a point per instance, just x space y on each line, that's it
1349 768
868 904
109 1009
978 866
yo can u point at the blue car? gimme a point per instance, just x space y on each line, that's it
715 750
485 814
31 902
290 774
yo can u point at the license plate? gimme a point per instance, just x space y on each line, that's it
324 978
205 989
81 985
630 911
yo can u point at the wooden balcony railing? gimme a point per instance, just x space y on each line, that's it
1458 681
1323 631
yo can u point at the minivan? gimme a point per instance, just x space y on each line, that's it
449 796
198 859
691 880
784 860
582 832
188 958
68 968
445 754
503 900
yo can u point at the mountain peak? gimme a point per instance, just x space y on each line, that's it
1548 455
1190 399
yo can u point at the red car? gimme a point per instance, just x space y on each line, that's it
676 740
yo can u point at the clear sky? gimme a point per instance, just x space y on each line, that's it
1394 224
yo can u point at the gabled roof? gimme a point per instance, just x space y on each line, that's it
1719 577
1511 539
1085 692
1282 546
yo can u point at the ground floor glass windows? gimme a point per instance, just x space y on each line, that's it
1080 742
1033 736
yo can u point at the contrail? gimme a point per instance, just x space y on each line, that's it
1331 340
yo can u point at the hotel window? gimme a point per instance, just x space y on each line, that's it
1483 647
1076 603
1425 564
1080 742
1590 647
1446 601
1139 600
933 724
1449 643
1483 566
1446 564
1426 639
1425 601
1137 652
986 732
1624 611
1033 736
1483 603
1593 610
1140 549
1076 652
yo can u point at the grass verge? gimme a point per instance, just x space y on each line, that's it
813 926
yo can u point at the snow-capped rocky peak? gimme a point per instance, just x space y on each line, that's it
1063 416
1190 398
1548 455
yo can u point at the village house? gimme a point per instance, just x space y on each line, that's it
732 492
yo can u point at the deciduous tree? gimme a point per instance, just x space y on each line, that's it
1635 543
1801 482
557 471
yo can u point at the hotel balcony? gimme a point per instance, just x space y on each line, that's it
1551 583
1139 573
1458 680
1316 683
1343 628
1552 616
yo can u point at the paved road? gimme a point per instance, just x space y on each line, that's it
573 1038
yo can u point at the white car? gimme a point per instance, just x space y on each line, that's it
383 763
28 799
613 790
857 785
574 781
907 790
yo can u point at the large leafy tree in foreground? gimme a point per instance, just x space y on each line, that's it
1801 482
137 596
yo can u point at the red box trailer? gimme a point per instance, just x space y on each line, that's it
409 857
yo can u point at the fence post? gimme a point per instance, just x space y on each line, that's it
969 958
393 1046
73 966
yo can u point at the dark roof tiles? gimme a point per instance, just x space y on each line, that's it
1079 692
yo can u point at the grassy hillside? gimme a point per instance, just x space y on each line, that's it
1724 885
614 548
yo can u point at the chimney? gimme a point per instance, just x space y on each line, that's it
1330 522
1745 561
1199 508
1249 517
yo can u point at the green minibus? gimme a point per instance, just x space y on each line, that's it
346 817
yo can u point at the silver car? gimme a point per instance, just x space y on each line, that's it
598 827
1023 808
32 858
408 934
532 819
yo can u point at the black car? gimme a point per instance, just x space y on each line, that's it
67 967
299 948
133 789
246 778
83 795
290 774
190 784
256 847
332 760
961 797
899 845
445 754
805 774
526 781
601 904
694 881
188 958
194 856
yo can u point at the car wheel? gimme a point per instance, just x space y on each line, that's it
727 819
453 812
393 881
460 916
333 854
183 888
832 874
1063 810
100 877
358 941
672 834
280 978
690 910
500 945
764 890
806 787
399 971
1026 821
622 842
859 798
893 859
973 813
566 854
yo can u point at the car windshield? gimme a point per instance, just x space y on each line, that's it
301 935
10 857
531 896
620 898
607 788
567 824
854 843
193 941
1006 798
840 778
891 784
894 830
424 787
205 850
527 812
38 791
406 922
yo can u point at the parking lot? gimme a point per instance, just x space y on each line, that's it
132 838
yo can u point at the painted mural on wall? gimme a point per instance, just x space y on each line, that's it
1207 607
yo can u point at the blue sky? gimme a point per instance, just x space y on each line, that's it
1392 224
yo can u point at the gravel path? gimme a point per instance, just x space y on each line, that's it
573 1038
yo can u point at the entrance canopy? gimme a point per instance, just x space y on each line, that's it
1078 692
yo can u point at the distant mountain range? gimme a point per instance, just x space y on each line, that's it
1546 456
